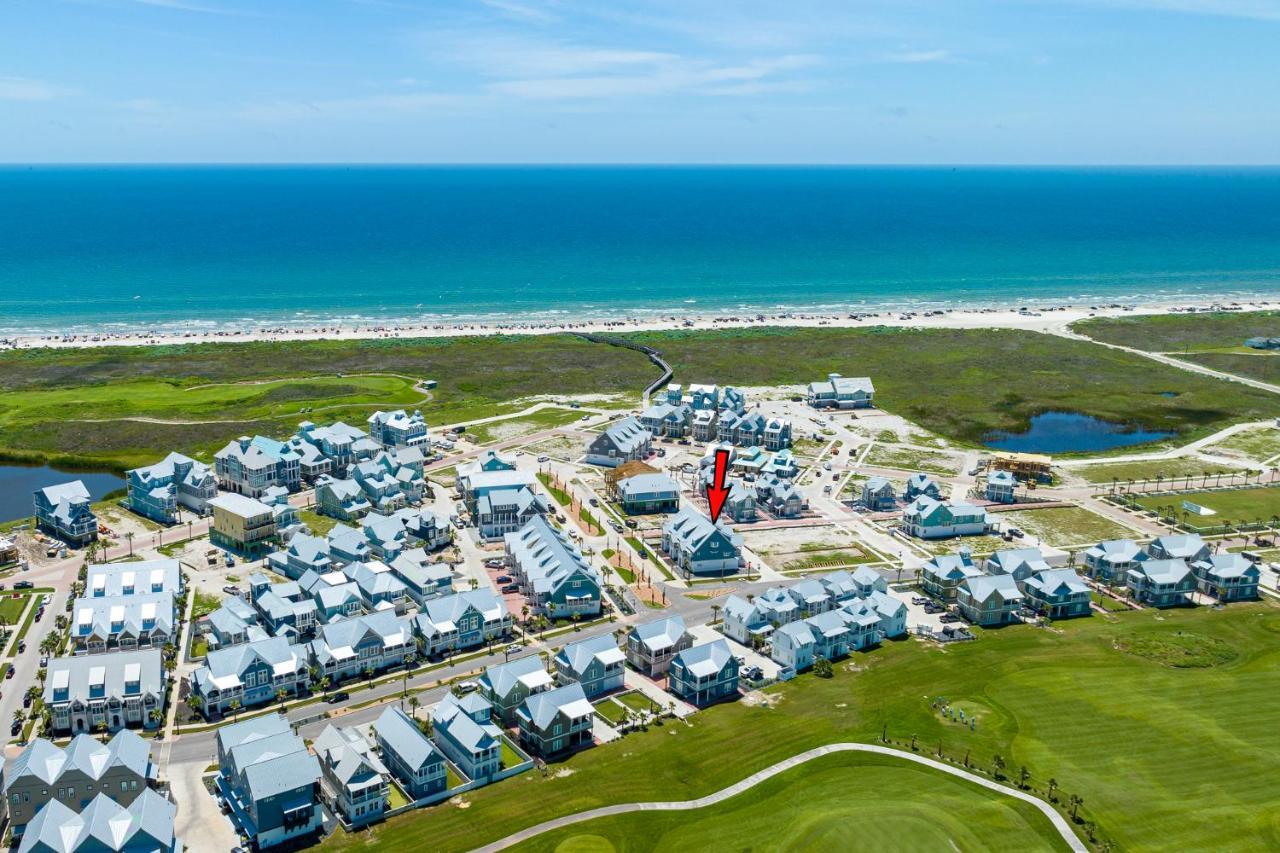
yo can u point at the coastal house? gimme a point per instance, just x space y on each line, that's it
464 620
352 775
305 553
63 512
873 619
145 824
921 486
463 731
334 594
42 773
342 499
348 545
878 495
250 466
489 473
778 606
398 428
157 491
596 663
626 440
745 622
1227 577
1000 487
504 511
671 421
810 596
1111 560
989 600
651 646
797 644
250 675
1161 582
753 428
926 518
555 721
1057 593
233 623
340 444
841 392
362 645
557 579
695 546
780 498
705 674
508 685
782 464
270 781
1018 563
143 577
285 608
379 587
1181 546
143 620
379 478
242 525
942 575
648 493
409 755
422 578
86 692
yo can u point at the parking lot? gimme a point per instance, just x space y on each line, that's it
916 614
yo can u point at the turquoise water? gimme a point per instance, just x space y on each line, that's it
1071 432
85 248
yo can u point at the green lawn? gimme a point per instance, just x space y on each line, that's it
837 802
11 608
510 757
396 797
1177 468
637 701
320 524
1232 505
612 713
1106 602
1065 526
1067 703
845 556
204 604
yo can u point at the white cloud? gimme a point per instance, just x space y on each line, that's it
27 89
916 57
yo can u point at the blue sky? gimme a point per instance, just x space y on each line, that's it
687 81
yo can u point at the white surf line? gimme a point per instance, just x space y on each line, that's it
1058 821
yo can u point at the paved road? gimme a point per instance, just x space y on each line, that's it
1059 822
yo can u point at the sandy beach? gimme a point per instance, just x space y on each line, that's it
1036 318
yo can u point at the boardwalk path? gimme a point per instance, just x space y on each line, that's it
1058 821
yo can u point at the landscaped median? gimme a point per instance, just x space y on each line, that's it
1057 701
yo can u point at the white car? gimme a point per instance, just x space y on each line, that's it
544 458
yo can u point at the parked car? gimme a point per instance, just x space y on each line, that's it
631 522
502 579
340 696
15 728
948 617
509 588
231 589
467 687
1015 533
544 458
23 585
8 673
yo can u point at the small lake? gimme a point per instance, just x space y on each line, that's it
1071 432
18 482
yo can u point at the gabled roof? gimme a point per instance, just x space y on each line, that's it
144 826
704 660
86 754
982 587
541 709
347 755
503 677
1115 551
1057 582
691 528
660 634
1163 571
224 668
577 657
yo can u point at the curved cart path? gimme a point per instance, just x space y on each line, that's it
1058 821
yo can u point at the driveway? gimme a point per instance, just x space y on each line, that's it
705 634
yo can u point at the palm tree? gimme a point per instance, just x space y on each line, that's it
1076 803
234 707
1023 775
281 695
715 613
368 675
414 702
155 715
128 537
998 764
1053 786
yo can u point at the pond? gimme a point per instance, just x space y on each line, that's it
18 482
1071 432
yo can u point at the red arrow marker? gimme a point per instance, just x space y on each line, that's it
716 489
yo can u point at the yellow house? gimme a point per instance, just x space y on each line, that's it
242 524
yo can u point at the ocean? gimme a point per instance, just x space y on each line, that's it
171 248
